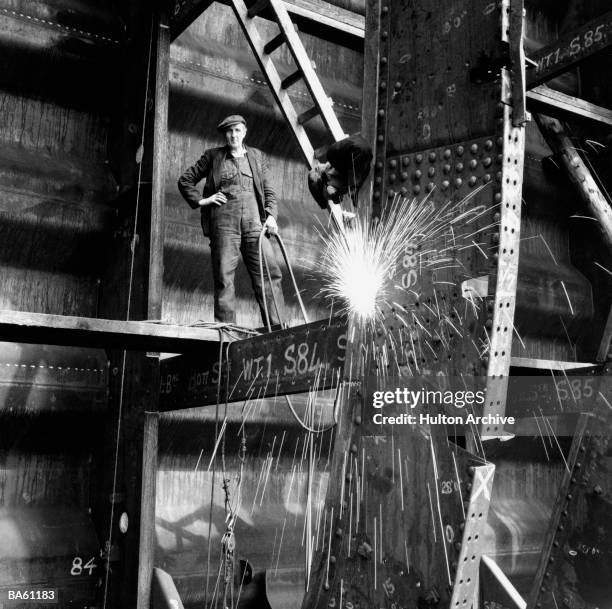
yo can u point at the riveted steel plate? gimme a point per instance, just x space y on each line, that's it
444 287
392 529
439 61
453 319
575 568
441 138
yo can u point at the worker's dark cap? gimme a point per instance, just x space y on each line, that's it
316 185
228 121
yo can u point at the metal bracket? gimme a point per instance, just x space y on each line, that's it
466 578
516 38
502 322
504 589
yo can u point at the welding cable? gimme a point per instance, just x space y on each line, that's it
232 331
261 274
262 260
218 325
213 325
312 430
263 292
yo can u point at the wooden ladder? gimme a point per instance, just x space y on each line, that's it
322 105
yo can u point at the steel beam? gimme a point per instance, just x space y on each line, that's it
571 49
548 364
564 393
158 168
579 174
296 360
494 577
559 104
147 539
369 101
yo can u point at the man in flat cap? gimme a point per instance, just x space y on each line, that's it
238 200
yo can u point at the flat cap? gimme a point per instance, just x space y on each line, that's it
228 121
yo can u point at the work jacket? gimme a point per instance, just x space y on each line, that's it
209 167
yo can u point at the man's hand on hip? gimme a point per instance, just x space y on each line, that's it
217 199
271 226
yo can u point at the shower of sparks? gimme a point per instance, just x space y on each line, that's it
594 143
604 268
377 264
433 516
542 438
601 395
569 302
549 250
359 264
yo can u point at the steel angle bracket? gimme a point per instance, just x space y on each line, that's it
468 564
495 587
501 323
516 39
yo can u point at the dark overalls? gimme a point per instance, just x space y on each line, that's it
235 227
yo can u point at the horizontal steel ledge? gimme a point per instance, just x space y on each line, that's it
548 364
295 360
553 102
41 328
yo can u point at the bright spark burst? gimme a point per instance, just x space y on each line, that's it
359 268
375 270
354 267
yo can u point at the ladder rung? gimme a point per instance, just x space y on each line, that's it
291 79
271 46
308 115
257 8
